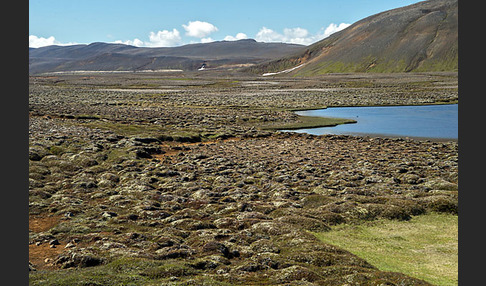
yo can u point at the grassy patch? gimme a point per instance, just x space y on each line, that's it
309 122
222 84
166 133
142 85
425 247
126 129
126 271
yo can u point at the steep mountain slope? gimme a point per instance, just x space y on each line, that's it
104 56
418 37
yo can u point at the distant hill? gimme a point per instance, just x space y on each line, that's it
119 57
418 37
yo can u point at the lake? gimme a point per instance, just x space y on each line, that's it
426 121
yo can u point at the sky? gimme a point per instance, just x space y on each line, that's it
169 23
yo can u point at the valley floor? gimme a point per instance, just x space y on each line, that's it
149 179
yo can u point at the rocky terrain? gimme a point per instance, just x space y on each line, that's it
180 179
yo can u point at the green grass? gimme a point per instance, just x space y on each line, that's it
426 247
126 271
309 122
372 65
128 129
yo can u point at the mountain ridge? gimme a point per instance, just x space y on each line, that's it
100 56
417 37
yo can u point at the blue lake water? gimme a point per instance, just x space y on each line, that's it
428 121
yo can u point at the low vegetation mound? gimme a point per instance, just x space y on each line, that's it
143 187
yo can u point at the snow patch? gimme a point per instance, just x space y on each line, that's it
284 71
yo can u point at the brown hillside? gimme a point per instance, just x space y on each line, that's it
419 37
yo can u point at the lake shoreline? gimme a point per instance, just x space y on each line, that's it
377 105
375 120
384 136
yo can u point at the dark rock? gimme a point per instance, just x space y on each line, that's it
147 140
168 173
199 157
250 267
217 248
54 242
142 153
36 153
132 217
31 267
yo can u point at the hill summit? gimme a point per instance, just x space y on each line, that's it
418 37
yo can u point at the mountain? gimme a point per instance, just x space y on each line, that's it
119 57
418 37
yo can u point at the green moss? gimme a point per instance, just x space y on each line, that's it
314 201
167 270
71 228
165 133
372 65
451 64
57 150
126 129
118 155
309 122
186 136
425 247
125 271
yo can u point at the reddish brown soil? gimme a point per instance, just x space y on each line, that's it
42 223
43 255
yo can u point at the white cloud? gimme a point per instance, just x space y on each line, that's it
333 28
164 38
239 36
199 29
207 40
268 35
297 35
290 35
37 42
135 42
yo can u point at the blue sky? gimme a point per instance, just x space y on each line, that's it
179 22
